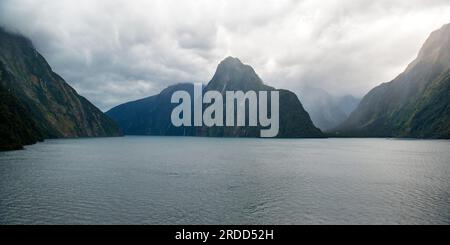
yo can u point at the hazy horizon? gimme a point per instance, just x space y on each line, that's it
112 52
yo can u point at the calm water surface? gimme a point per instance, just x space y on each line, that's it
175 180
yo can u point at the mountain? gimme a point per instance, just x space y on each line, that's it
414 104
327 111
51 105
151 116
431 116
16 127
347 103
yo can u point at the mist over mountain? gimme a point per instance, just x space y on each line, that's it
118 51
40 101
327 111
415 104
151 116
37 103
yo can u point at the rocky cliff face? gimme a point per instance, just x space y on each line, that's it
151 116
415 104
54 107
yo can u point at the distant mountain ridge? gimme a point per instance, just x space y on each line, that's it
414 104
327 111
151 116
48 101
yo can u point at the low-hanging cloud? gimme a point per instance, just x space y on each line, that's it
113 51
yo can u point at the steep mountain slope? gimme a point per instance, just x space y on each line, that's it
431 116
16 127
151 116
408 105
53 106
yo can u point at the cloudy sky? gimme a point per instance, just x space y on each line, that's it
113 51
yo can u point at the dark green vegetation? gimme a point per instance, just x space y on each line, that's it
431 116
40 101
415 104
151 116
16 127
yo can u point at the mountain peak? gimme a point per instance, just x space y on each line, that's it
230 60
152 115
232 74
232 64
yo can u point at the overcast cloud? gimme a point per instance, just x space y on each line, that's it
113 51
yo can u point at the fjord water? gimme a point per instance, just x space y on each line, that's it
176 180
